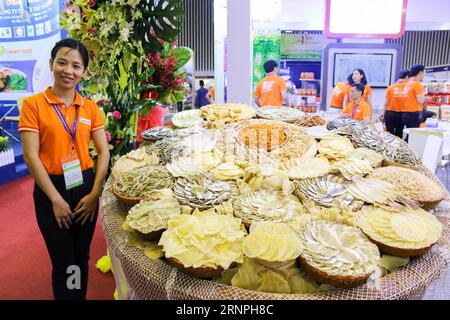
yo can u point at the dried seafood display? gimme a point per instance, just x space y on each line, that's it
230 112
262 136
158 133
336 254
375 159
412 184
304 168
311 121
138 182
187 119
405 233
165 149
304 189
267 206
200 243
279 114
203 192
329 191
150 216
351 167
335 147
274 245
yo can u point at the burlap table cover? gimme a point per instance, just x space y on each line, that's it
138 277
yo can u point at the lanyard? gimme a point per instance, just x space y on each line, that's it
73 133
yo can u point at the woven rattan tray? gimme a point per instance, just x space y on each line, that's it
157 279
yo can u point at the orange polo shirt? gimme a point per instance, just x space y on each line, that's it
337 100
412 89
367 92
358 112
395 96
212 92
269 91
38 115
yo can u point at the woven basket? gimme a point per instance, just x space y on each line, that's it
398 251
152 236
128 201
204 273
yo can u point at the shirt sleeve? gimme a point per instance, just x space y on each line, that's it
97 118
419 89
258 91
29 118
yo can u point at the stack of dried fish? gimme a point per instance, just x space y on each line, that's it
165 149
341 122
203 192
328 191
311 121
157 133
138 182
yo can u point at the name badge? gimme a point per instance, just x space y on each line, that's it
71 166
85 121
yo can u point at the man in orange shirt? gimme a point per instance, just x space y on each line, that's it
358 109
272 90
394 105
337 100
414 97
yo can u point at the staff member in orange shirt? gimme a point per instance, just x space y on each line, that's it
339 91
414 97
358 109
55 127
272 90
211 95
394 105
358 76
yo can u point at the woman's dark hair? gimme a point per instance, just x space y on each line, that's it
363 80
403 74
360 87
416 69
73 44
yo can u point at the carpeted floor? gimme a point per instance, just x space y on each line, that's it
25 272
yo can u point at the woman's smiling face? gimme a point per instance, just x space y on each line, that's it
67 68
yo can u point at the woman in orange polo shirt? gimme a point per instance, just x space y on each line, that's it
55 127
358 76
358 109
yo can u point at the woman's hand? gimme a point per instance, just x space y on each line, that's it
86 208
63 214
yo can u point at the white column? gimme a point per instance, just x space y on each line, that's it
239 52
220 33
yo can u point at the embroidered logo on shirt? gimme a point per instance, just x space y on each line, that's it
85 121
267 86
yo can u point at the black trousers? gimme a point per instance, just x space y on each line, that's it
412 119
394 123
67 248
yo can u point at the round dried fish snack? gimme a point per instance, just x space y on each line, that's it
267 205
157 133
328 191
227 112
188 118
280 114
405 233
375 158
203 192
337 254
138 182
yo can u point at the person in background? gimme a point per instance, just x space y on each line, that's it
272 90
358 109
339 91
394 105
414 97
211 96
358 76
200 96
56 126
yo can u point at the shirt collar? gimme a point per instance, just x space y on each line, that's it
51 99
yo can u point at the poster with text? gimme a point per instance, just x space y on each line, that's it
28 31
